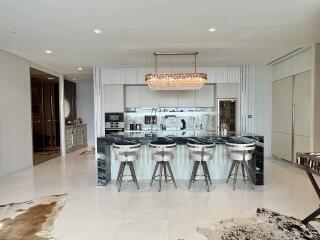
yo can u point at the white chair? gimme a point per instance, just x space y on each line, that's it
162 153
240 154
126 154
200 154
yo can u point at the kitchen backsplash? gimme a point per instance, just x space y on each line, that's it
172 118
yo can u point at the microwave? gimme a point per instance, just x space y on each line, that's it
114 117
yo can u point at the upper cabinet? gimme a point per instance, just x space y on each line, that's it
133 96
227 90
113 98
168 98
205 97
187 98
149 98
136 75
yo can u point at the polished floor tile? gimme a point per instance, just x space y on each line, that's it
93 212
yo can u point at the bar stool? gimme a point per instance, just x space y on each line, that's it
126 153
200 153
162 153
240 154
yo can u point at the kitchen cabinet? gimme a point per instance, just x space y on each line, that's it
187 98
282 118
133 96
149 98
282 145
291 114
227 90
302 104
205 97
113 98
282 105
168 98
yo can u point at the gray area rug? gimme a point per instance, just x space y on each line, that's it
31 220
266 225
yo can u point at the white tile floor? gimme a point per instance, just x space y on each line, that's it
94 212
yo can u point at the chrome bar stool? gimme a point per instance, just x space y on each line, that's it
240 154
200 153
126 154
162 153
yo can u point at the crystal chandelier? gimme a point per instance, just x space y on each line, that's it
176 81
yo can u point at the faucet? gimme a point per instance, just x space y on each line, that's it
155 114
194 123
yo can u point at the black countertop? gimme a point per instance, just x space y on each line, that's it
240 139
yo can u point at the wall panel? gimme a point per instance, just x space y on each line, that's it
298 63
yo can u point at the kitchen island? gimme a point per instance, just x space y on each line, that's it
181 165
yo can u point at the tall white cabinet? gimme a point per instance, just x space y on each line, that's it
291 116
113 98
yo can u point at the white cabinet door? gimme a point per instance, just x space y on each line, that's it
227 90
282 91
205 96
168 98
149 98
187 98
133 97
113 98
302 104
302 112
282 105
282 145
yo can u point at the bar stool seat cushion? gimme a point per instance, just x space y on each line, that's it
127 156
197 156
162 156
238 156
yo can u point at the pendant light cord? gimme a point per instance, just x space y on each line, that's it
156 54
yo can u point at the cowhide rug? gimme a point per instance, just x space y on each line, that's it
30 220
266 225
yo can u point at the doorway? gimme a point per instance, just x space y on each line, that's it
45 116
227 114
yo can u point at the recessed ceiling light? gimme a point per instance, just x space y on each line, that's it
48 51
97 31
212 29
50 78
79 68
74 79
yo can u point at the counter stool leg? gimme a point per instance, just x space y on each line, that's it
205 175
160 176
192 174
122 167
170 171
154 173
165 172
231 170
243 171
208 173
248 173
119 173
235 175
196 170
133 174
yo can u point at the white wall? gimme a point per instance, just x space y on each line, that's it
85 108
15 114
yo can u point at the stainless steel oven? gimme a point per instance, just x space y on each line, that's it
114 123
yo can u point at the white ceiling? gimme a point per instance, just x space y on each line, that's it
247 31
